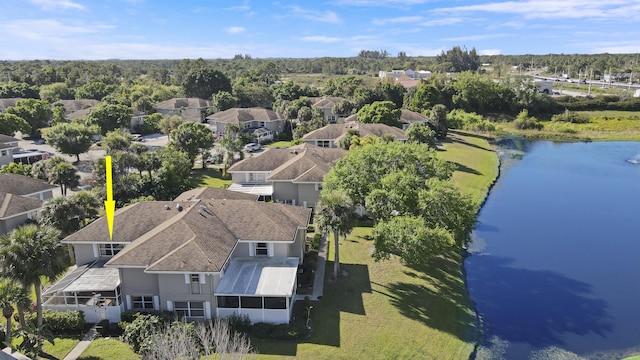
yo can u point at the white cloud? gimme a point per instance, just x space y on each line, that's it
490 52
398 20
474 37
443 21
322 39
314 15
235 29
389 3
45 29
57 4
553 9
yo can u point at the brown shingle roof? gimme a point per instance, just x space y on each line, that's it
200 239
326 102
6 139
208 193
9 102
22 185
11 204
75 105
179 103
310 164
409 117
335 131
238 115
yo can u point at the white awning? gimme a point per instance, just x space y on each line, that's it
261 189
274 276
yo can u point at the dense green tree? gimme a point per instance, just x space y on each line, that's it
193 138
40 169
54 92
421 132
172 178
362 169
96 90
438 120
14 89
203 82
12 293
380 112
395 194
30 253
35 112
10 124
150 124
169 123
117 140
69 214
425 96
334 213
109 117
409 238
58 115
458 60
16 168
65 175
266 73
223 100
70 138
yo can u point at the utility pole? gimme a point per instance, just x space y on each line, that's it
590 77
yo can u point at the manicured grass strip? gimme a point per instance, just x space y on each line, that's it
279 144
208 177
108 349
61 347
386 310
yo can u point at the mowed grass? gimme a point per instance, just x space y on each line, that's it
208 177
386 310
279 144
108 349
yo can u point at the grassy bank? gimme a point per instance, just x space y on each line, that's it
388 310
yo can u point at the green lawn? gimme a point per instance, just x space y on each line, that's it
386 310
279 144
208 177
108 349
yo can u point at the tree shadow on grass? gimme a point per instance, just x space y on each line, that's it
535 307
340 296
464 168
439 300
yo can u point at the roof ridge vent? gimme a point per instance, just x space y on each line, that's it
178 207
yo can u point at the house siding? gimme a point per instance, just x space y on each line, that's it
241 250
297 248
285 191
137 282
12 223
308 193
84 253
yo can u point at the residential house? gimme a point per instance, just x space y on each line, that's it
189 109
21 199
263 123
8 145
199 258
408 117
326 104
328 136
292 176
407 78
8 102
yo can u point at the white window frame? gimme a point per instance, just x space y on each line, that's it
187 309
109 250
195 282
145 302
262 249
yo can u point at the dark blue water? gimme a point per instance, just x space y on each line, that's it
555 259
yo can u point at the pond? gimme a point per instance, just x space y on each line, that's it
554 265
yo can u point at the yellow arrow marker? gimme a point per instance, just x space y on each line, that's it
109 204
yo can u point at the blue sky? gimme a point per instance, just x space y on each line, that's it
159 29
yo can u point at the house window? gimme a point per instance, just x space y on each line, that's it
194 280
318 186
256 177
142 302
108 250
228 302
331 119
275 303
262 124
251 302
4 152
324 143
189 309
262 249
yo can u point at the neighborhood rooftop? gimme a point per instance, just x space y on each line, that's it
22 185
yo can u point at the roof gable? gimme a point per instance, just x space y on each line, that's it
23 185
238 115
11 205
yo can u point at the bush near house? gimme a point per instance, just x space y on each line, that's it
61 322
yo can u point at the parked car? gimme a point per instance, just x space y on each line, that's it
251 147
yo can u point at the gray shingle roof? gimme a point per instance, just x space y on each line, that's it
179 103
238 115
409 117
208 193
202 239
335 131
75 105
6 139
11 205
22 185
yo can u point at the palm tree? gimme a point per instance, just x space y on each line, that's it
31 252
11 293
334 213
64 174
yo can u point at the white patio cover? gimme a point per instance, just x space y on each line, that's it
274 276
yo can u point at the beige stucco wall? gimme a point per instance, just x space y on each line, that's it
137 282
83 253
11 223
241 250
285 191
308 193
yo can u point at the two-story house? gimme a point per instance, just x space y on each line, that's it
21 199
326 104
292 176
189 109
216 254
8 145
328 136
263 123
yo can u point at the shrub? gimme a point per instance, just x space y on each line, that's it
239 323
571 116
138 332
127 316
262 330
103 327
60 322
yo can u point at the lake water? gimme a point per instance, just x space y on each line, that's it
554 268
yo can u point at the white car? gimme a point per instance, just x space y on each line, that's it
251 147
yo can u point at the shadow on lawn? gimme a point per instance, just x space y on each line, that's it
464 168
340 296
438 300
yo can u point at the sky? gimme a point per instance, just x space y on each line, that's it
210 29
